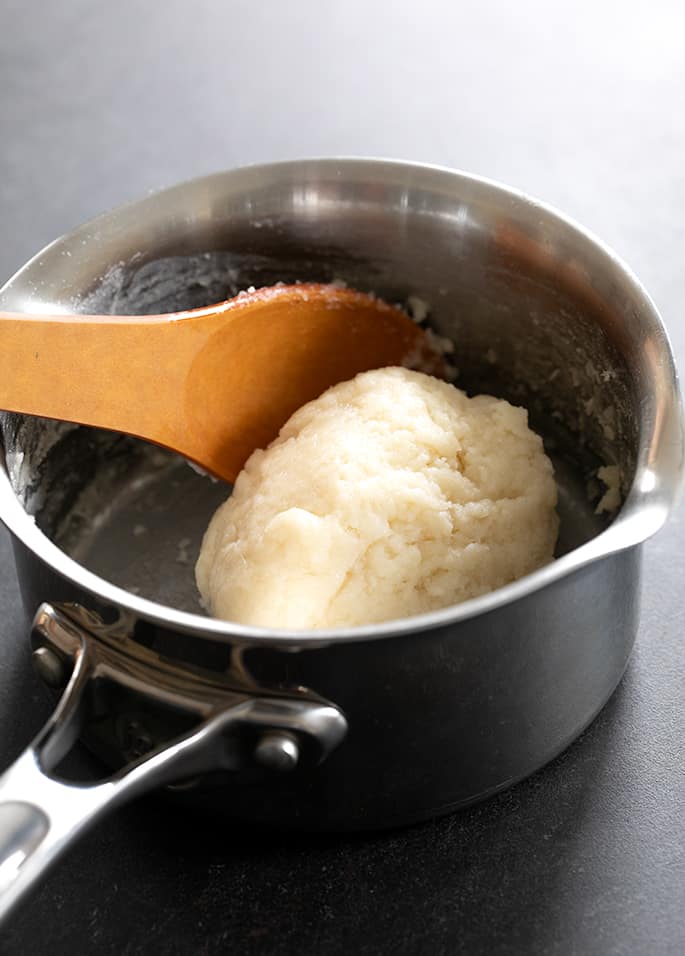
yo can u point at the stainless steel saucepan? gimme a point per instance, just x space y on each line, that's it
372 726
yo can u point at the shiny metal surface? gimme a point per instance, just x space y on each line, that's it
41 813
49 667
444 708
278 751
485 259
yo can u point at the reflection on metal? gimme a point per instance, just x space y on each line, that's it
40 814
277 750
49 667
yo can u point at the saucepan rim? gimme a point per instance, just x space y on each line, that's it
654 488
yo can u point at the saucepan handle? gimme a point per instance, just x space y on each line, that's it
41 814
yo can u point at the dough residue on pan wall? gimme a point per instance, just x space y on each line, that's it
389 495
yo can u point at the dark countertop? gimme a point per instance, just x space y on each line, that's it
103 102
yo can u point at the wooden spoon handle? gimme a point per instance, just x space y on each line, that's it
109 372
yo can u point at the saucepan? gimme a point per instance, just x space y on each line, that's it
372 726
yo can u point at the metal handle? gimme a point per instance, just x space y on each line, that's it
41 814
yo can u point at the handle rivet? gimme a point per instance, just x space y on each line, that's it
50 667
277 750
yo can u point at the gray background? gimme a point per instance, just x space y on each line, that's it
582 105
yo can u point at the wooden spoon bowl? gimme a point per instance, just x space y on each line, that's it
212 383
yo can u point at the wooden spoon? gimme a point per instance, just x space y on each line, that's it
212 383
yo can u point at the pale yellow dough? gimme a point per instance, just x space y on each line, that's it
390 495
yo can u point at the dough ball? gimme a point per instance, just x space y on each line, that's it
389 495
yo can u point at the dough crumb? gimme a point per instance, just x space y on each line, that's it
389 495
610 476
417 309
